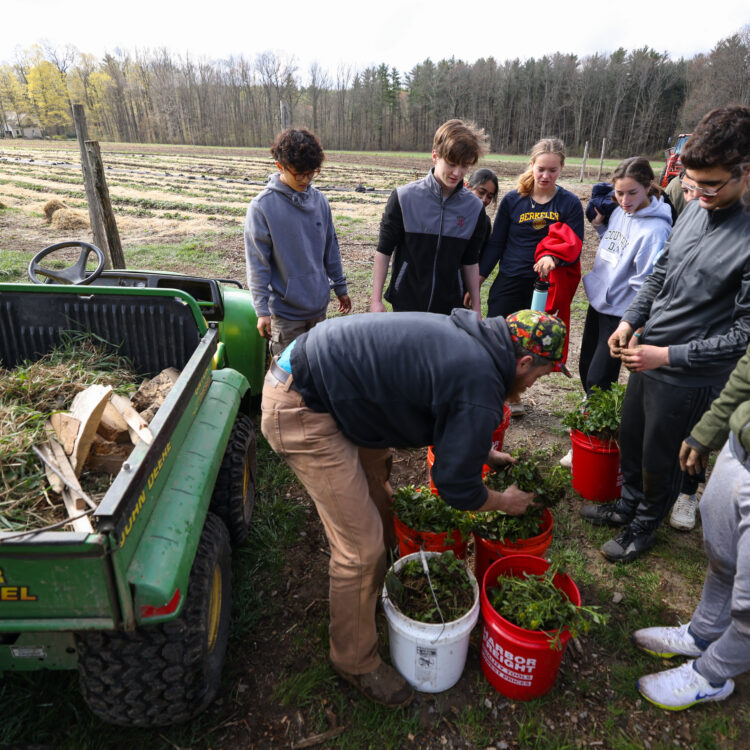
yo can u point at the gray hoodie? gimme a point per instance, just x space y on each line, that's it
629 246
291 252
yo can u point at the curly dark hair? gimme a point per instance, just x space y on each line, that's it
299 149
720 139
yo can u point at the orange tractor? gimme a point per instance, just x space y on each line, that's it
673 166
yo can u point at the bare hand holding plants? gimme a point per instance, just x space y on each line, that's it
619 339
511 500
644 357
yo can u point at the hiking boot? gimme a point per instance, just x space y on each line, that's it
667 642
517 409
604 514
567 460
683 512
629 544
681 687
383 685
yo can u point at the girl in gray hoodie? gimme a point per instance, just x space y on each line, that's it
629 245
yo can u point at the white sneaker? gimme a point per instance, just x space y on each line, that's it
666 642
681 687
683 512
567 460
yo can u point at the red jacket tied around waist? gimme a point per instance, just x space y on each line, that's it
563 244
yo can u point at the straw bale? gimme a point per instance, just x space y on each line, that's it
68 218
51 206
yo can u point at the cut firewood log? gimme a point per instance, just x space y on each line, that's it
87 407
154 391
112 426
54 481
72 494
135 422
148 414
66 427
75 505
107 456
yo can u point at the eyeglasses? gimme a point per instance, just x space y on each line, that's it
709 192
303 176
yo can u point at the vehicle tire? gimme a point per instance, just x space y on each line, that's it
234 493
166 673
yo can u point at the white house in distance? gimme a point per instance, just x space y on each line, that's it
20 126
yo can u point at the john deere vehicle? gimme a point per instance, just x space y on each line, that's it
673 167
140 607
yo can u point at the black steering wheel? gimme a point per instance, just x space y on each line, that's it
73 274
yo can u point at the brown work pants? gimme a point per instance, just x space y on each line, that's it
349 486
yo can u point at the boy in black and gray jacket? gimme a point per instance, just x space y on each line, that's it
432 229
694 312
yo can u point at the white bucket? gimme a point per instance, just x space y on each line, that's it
430 657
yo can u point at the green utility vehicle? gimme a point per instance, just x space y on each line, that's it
141 606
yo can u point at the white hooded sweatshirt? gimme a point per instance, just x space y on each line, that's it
629 246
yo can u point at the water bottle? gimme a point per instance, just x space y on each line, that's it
539 300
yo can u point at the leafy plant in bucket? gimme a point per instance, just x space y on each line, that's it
536 472
423 510
599 413
446 595
533 602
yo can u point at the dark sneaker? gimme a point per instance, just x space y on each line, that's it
681 687
629 544
383 685
604 514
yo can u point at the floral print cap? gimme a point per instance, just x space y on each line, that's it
540 333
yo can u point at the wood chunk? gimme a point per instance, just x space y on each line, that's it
133 418
148 414
107 456
87 407
75 505
154 391
66 428
112 426
54 481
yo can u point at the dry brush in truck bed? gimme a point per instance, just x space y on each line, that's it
66 427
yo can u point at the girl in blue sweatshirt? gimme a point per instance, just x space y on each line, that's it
629 245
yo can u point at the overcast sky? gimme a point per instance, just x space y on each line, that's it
359 33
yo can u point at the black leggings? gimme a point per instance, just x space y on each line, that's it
508 294
595 365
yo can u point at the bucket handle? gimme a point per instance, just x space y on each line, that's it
426 569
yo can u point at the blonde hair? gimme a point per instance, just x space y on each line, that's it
460 142
525 184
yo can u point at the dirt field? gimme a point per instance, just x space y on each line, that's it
170 194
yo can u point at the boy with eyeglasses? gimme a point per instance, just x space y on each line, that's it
683 333
291 249
431 228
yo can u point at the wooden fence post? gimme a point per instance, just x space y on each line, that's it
102 193
601 160
95 209
583 164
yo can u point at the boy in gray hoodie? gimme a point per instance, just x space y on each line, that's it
291 249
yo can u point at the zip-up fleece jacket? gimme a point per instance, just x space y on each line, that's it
430 237
412 379
697 299
292 251
730 411
629 245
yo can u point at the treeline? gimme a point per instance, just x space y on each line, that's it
636 100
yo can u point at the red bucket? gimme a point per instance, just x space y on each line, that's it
431 460
410 540
498 436
596 467
486 551
519 663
